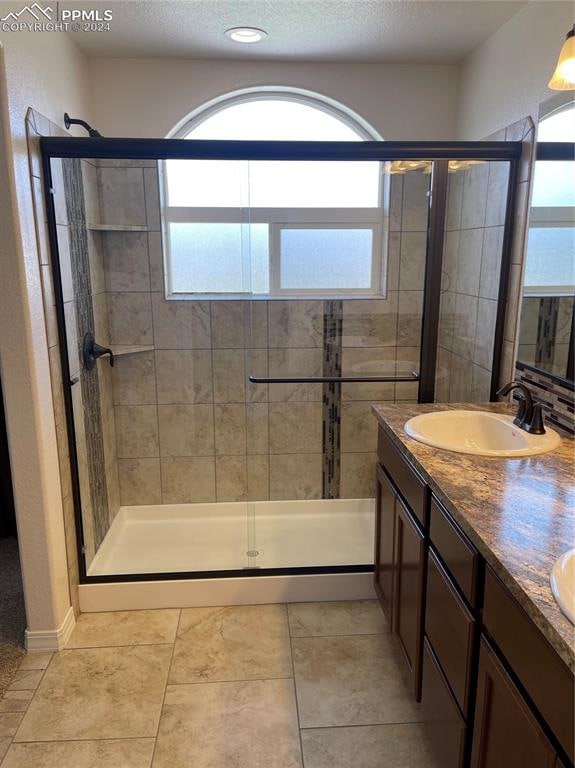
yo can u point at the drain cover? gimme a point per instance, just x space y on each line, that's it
253 552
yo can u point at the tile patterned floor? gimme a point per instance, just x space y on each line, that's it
308 685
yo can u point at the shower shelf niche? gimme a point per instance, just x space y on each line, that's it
118 227
125 349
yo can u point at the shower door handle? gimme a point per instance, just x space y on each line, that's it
91 351
413 376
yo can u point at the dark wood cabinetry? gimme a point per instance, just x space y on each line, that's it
444 724
384 541
409 573
494 692
506 732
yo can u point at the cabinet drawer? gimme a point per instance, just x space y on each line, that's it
542 673
457 552
410 484
450 628
442 719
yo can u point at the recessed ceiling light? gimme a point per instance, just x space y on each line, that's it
245 34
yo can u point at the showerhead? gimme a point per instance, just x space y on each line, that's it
68 121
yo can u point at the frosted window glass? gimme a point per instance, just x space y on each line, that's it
550 257
559 126
324 259
207 183
554 184
219 258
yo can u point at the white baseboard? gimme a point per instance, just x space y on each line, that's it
51 640
189 593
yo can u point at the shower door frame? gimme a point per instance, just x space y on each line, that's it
439 153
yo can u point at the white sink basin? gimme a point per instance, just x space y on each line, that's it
480 433
563 583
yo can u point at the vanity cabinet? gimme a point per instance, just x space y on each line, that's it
493 690
400 553
506 732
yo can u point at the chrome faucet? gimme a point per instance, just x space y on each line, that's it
529 413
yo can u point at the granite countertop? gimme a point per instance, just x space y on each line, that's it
519 513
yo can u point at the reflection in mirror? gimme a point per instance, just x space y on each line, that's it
546 329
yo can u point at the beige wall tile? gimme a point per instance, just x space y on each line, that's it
465 325
156 260
121 196
485 333
295 476
480 385
188 480
184 376
295 427
230 429
295 323
137 431
152 197
134 379
469 262
410 310
258 478
181 324
130 317
358 475
370 322
371 361
415 201
412 265
126 261
231 478
474 196
257 424
257 365
295 362
491 262
229 324
139 481
358 427
460 384
96 262
497 193
229 375
454 201
186 430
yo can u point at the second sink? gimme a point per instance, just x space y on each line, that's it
480 433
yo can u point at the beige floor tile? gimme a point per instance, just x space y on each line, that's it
35 660
248 642
350 681
9 723
357 617
26 680
127 753
223 725
371 746
98 630
102 693
16 701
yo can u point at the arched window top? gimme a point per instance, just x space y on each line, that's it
275 115
273 228
558 124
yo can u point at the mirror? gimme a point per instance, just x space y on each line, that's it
546 331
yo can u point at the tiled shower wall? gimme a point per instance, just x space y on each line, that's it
189 426
476 207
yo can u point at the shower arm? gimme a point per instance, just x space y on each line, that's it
92 132
413 376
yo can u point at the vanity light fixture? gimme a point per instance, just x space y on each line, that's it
245 34
564 76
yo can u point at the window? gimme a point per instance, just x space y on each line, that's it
550 266
273 228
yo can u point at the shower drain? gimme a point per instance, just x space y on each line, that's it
253 552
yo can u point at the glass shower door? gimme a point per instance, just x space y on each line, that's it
339 330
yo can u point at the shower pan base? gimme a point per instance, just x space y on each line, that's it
204 538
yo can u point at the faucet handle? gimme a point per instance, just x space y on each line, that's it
536 425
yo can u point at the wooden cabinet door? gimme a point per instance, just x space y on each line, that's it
384 541
409 571
505 731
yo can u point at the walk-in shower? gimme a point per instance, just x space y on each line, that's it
256 298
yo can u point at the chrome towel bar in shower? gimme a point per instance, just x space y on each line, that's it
413 376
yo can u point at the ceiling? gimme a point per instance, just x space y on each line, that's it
298 30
